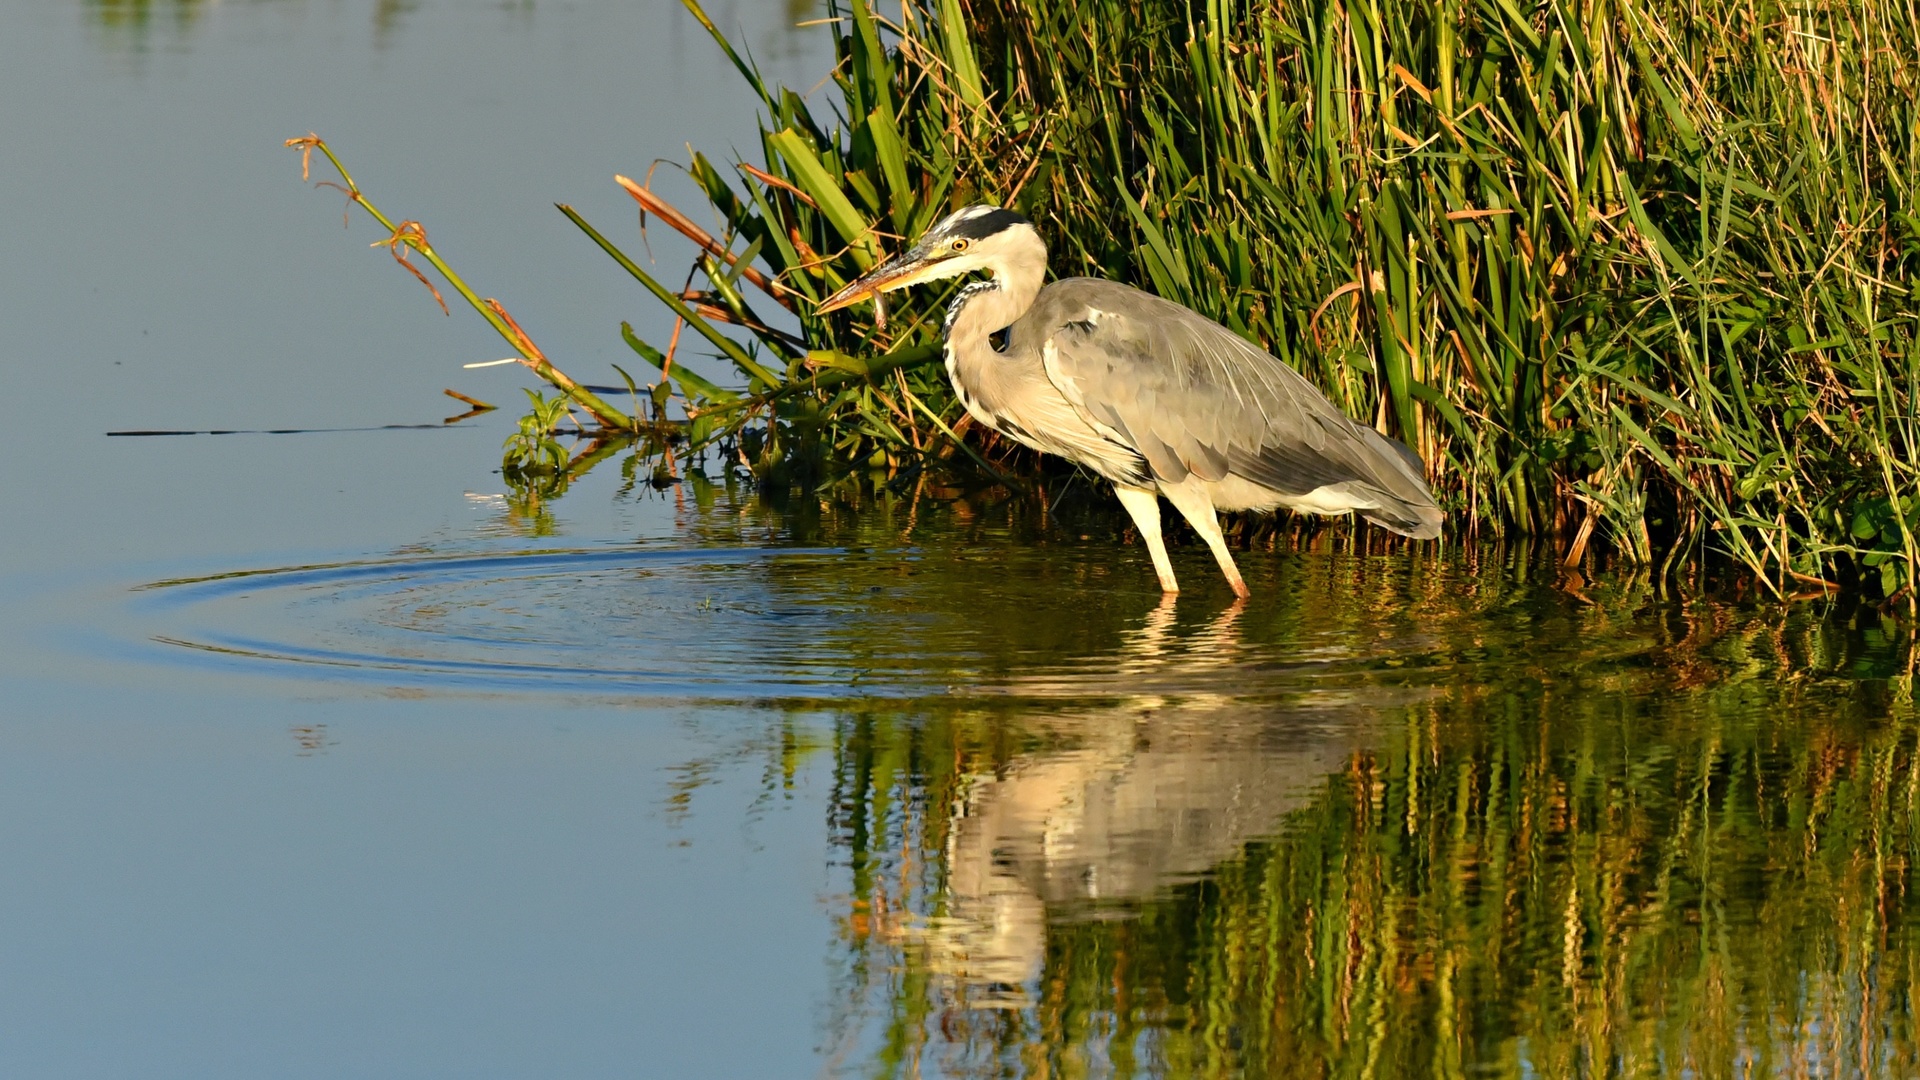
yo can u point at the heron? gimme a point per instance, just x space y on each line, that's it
1157 399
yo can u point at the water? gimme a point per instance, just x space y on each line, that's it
330 754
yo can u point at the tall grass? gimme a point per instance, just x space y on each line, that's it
1633 270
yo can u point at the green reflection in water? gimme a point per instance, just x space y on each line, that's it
131 24
1512 828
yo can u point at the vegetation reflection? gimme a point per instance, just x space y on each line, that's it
1392 817
1611 837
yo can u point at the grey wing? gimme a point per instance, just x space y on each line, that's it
1195 398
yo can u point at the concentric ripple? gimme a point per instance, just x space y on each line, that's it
674 622
738 623
718 623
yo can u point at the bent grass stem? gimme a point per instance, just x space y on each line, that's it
411 234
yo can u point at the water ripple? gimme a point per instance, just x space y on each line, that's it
661 622
740 623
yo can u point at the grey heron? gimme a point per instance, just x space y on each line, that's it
1155 398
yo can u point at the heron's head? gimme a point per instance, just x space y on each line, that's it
987 238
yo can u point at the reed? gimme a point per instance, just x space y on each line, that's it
408 237
1631 273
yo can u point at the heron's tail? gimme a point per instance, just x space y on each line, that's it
1419 521
1404 504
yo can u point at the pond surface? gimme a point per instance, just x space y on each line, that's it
329 754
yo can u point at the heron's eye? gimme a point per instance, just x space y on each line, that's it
961 243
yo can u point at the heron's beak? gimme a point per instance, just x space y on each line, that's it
910 267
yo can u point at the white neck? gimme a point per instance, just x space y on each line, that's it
979 311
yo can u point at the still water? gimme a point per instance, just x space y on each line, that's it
329 754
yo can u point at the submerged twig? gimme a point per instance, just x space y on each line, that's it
478 405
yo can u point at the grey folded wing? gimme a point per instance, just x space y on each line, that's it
1194 398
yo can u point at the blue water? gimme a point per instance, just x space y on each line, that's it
219 872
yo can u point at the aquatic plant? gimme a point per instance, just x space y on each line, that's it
1629 275
1629 271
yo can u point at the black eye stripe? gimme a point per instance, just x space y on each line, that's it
984 225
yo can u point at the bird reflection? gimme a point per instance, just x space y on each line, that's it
1150 791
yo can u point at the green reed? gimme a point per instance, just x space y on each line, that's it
1629 275
1626 271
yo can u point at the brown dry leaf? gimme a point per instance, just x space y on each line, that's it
411 234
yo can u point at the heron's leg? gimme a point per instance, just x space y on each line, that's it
1144 505
1196 506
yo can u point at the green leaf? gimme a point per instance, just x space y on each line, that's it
873 76
893 162
687 379
813 178
1864 527
1638 211
1431 397
744 260
1689 135
959 49
837 361
1170 263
